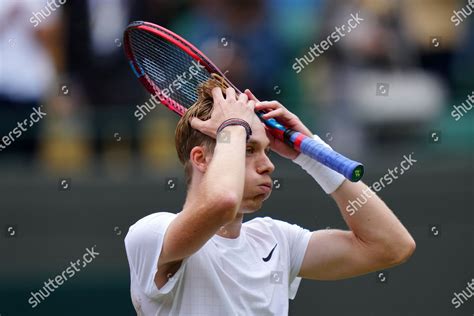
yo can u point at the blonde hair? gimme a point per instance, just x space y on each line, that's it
186 137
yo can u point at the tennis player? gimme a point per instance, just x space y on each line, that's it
206 261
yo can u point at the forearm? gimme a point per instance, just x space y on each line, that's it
373 223
226 171
215 200
365 213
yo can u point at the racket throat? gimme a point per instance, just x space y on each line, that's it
287 137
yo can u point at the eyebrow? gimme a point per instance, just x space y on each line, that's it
254 142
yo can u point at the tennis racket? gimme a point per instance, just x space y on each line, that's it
171 69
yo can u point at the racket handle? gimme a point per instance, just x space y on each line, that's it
350 169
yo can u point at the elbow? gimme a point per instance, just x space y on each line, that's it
225 206
402 252
406 251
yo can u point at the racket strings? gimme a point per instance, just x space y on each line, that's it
165 64
164 73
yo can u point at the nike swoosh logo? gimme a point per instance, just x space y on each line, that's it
270 255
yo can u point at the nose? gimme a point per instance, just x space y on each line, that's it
266 165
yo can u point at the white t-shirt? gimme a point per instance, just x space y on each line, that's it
225 277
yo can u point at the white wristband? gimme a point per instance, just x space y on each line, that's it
327 178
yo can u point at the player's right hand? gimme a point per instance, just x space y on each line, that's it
225 108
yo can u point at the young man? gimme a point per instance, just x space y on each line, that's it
206 261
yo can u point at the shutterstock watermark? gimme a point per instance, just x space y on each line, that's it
147 107
465 106
22 127
176 85
385 180
463 297
50 286
45 12
459 16
319 48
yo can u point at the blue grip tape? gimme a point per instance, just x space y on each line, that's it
350 169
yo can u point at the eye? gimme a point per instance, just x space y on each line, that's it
250 150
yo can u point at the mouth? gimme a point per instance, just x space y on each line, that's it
266 187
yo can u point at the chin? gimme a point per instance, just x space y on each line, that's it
253 205
248 211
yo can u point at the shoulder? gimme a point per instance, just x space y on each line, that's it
153 220
149 226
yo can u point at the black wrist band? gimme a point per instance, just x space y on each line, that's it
236 121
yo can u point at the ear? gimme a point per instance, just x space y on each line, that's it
200 158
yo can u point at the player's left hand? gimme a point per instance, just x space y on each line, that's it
277 111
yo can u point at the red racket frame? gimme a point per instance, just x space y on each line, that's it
352 170
181 43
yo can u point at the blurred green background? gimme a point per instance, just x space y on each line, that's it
387 88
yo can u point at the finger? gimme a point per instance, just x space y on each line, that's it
251 95
201 126
274 113
268 105
243 98
217 94
251 104
230 93
195 123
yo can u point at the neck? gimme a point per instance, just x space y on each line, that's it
232 229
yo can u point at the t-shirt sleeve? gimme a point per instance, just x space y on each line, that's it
143 244
298 239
